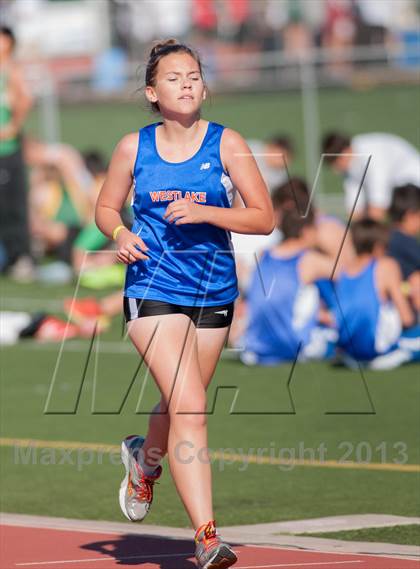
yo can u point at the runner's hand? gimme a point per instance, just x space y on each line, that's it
185 211
130 248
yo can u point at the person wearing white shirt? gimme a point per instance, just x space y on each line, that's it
384 160
273 158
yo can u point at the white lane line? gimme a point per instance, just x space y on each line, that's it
145 557
310 564
161 556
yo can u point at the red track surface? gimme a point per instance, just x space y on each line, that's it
28 547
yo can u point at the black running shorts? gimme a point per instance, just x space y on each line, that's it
203 317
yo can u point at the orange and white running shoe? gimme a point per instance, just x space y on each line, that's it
136 490
210 550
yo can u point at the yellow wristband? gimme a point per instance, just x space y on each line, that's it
406 288
116 231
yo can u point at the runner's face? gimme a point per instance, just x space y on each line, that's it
179 87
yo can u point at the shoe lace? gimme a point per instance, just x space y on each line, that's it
144 489
210 542
209 536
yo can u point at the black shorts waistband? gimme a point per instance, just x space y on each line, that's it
203 316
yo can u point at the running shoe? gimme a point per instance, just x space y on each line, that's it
136 490
210 551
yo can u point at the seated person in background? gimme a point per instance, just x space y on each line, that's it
90 238
283 302
70 165
371 308
93 314
97 165
329 234
393 162
404 245
59 199
54 220
273 157
330 231
65 188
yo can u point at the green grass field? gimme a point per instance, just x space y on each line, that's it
331 409
404 535
326 409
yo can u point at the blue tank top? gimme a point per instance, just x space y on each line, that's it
367 326
282 310
191 264
326 286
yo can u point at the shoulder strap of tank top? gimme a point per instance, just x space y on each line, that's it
145 143
372 266
215 129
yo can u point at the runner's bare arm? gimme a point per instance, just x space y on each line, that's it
257 217
117 185
113 196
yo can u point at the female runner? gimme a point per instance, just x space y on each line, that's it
181 281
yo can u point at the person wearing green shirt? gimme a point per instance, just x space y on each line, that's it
15 103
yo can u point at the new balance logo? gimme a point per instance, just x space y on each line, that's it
224 312
205 166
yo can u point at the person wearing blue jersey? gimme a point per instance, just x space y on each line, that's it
331 236
282 300
371 309
330 230
181 282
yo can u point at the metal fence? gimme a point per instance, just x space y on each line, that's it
276 71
